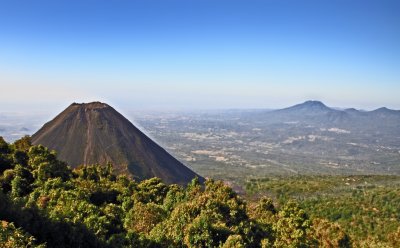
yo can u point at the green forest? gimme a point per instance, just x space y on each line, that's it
367 207
45 203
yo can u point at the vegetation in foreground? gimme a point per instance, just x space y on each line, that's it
44 203
367 207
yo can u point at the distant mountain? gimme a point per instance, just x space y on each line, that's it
317 113
385 112
353 110
92 133
308 107
314 112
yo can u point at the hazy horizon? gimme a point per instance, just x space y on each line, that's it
49 112
199 54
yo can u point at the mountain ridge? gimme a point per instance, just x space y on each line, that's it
317 111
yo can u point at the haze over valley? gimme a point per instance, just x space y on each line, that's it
309 138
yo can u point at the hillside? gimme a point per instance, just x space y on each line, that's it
45 203
367 207
90 133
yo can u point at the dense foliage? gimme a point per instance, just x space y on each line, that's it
45 203
367 207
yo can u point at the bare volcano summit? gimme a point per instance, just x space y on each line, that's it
91 133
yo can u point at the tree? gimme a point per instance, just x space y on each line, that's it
201 233
329 235
6 161
23 144
151 190
234 241
11 237
21 182
291 227
19 187
142 218
4 148
394 238
45 164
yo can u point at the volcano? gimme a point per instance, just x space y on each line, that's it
95 133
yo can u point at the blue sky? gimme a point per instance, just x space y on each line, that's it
199 54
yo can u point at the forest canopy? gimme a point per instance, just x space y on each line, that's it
45 203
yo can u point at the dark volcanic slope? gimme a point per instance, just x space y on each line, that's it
96 133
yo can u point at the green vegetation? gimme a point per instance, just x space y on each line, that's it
367 207
13 237
45 203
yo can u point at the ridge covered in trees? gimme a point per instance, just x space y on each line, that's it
45 203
